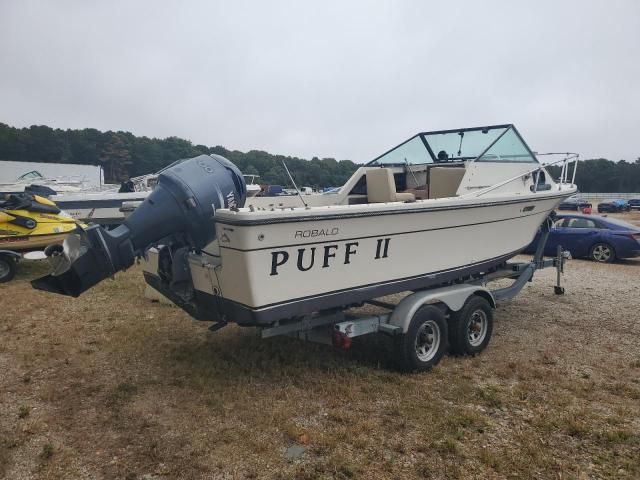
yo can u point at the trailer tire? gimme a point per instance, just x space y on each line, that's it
425 342
470 328
8 268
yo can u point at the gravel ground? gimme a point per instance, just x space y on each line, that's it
112 386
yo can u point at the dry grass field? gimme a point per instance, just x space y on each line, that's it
110 385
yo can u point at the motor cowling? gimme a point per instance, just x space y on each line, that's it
179 213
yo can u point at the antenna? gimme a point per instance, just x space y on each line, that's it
412 174
294 184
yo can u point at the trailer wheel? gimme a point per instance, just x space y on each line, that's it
7 268
425 342
470 328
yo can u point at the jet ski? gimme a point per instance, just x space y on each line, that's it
30 222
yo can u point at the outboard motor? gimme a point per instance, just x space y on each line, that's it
177 214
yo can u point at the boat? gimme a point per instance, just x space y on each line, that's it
80 200
34 182
30 222
103 208
109 206
253 188
437 209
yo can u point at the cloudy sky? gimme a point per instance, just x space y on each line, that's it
343 79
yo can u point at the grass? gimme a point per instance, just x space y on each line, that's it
112 386
47 452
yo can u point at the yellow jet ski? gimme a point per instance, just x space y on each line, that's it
30 222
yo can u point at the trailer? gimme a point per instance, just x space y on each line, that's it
9 262
424 325
8 265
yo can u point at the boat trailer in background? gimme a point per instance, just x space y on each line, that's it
9 262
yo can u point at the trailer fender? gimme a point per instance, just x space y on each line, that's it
453 297
9 253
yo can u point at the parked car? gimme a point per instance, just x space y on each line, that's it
634 204
601 239
575 204
273 191
613 206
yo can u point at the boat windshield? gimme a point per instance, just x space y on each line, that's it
32 175
250 177
500 143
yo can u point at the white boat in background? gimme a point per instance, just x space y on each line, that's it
81 199
253 188
103 208
439 208
113 206
108 206
16 175
34 182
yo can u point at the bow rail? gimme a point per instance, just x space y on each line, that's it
563 180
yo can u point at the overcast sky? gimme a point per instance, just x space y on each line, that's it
344 79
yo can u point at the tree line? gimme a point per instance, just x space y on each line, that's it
602 175
123 155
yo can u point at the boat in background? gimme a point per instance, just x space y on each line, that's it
106 206
82 200
110 207
253 188
103 208
36 183
18 176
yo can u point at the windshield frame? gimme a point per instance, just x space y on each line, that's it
433 158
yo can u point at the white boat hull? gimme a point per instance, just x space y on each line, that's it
271 266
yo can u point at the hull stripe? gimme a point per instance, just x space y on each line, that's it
377 213
384 234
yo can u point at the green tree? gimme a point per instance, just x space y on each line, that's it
250 170
123 154
115 159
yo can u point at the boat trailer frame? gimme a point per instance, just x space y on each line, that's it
337 327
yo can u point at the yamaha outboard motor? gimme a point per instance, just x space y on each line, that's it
178 214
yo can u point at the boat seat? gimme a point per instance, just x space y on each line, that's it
444 181
421 192
381 188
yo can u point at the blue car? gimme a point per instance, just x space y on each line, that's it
601 239
613 206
